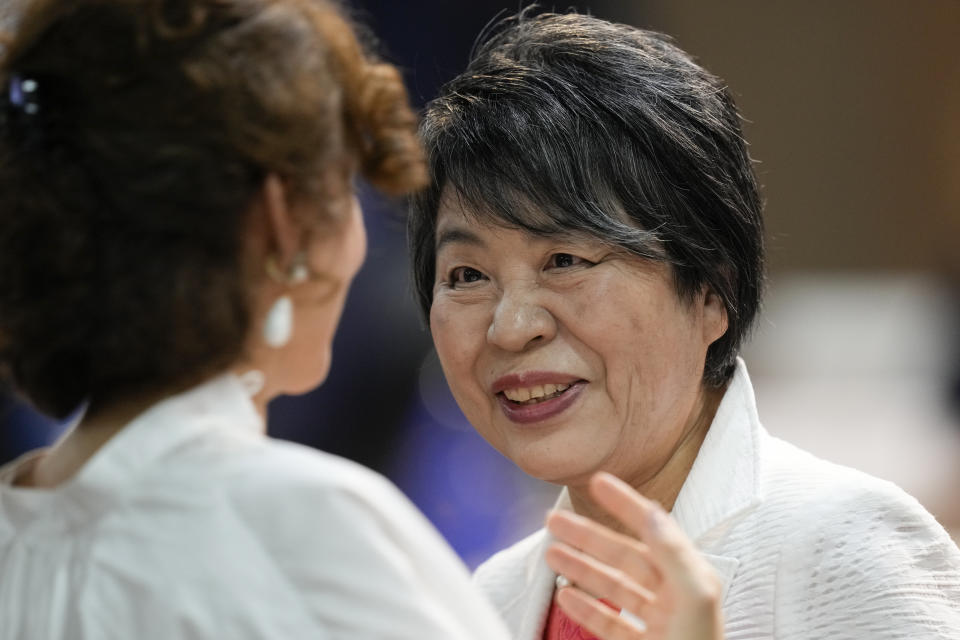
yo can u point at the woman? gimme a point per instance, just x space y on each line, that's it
177 237
590 258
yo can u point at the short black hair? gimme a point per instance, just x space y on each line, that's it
566 122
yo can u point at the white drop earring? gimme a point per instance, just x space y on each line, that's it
278 325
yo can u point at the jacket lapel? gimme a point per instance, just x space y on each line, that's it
724 482
726 568
530 589
540 585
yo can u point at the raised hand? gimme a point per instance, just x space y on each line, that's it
658 576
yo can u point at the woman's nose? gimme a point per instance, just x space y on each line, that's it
520 320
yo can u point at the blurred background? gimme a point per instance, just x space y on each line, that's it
853 113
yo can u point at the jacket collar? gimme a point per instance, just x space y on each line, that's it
724 481
725 478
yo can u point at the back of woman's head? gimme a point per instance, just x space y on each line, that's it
134 135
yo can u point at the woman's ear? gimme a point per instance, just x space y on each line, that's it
282 229
715 321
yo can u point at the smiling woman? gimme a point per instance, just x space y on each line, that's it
589 255
625 356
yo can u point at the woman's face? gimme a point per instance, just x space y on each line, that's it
567 355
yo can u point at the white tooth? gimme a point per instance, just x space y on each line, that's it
562 387
549 389
537 392
522 395
511 394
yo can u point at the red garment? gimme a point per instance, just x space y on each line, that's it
560 627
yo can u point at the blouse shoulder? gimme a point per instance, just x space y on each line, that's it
363 558
280 478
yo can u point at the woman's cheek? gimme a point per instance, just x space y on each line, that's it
442 330
456 342
439 322
452 319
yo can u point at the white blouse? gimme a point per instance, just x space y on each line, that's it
189 523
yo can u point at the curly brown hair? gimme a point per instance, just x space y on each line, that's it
126 181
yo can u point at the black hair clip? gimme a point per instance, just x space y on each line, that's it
22 94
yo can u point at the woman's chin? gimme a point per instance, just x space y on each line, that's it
563 457
558 471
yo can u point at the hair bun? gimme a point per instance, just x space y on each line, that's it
393 159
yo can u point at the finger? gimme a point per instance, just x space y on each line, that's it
599 579
596 617
614 549
622 501
670 550
644 517
679 560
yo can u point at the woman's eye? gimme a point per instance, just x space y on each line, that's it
464 275
564 260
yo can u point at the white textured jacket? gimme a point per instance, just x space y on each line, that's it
805 548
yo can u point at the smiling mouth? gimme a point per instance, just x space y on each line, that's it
524 396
